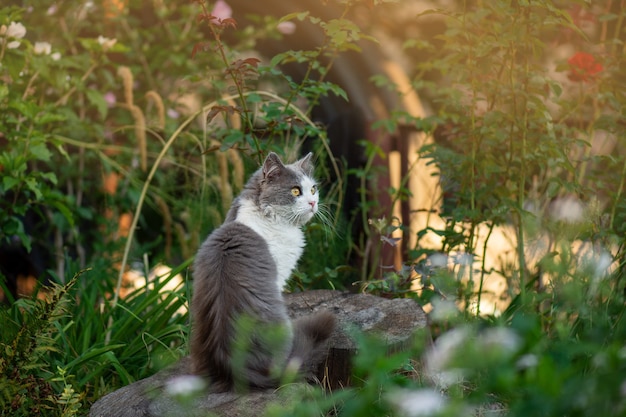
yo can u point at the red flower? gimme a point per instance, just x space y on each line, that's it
583 67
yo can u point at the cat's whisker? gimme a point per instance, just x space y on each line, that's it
325 216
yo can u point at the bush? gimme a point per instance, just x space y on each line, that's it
105 165
102 151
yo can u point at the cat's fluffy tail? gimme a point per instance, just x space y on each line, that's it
309 336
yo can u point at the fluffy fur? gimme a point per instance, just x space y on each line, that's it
241 335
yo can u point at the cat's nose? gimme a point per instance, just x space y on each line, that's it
312 204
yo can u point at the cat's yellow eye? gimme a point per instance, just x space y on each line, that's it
313 190
295 191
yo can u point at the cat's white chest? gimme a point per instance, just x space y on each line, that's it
286 242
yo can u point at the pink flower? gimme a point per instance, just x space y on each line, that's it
110 99
173 114
222 10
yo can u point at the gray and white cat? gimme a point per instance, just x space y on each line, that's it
241 334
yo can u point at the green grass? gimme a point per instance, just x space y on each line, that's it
66 335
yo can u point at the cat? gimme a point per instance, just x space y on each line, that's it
241 336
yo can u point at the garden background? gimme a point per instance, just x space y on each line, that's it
471 156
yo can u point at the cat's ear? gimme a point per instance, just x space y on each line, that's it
306 164
272 166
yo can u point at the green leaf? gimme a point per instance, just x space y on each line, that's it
232 138
4 91
50 176
298 15
40 151
556 88
254 98
337 90
389 125
48 116
97 99
9 182
293 56
433 11
27 109
65 211
14 227
92 354
33 185
63 152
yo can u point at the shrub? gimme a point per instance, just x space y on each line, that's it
102 151
516 126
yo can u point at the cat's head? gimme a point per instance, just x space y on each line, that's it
288 192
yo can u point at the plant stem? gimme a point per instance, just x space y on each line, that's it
238 85
63 100
482 268
521 187
618 195
4 47
133 227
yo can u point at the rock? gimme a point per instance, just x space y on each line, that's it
394 320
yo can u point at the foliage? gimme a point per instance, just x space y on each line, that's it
526 97
96 127
26 341
56 355
523 127
105 164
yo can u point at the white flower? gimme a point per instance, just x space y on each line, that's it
106 42
499 341
438 359
415 403
443 310
42 48
16 30
464 259
527 361
56 56
599 265
438 260
459 351
602 264
568 209
185 385
286 28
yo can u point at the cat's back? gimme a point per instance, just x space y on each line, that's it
231 277
233 251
